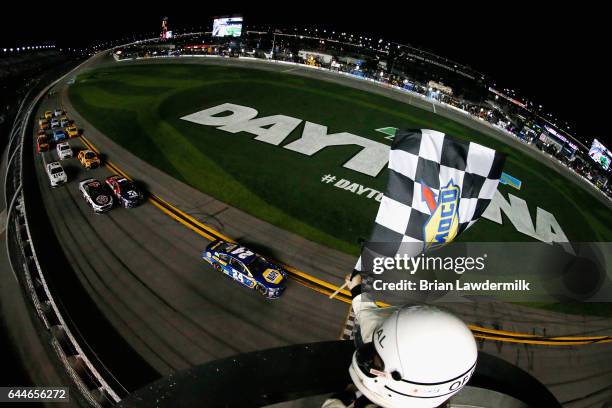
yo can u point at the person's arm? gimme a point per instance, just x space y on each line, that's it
360 301
367 313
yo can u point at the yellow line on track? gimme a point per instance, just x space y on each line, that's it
543 341
211 234
170 214
198 223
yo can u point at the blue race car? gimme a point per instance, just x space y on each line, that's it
59 135
247 268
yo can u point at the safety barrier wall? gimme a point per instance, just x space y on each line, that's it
27 270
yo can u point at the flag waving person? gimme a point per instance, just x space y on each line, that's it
418 356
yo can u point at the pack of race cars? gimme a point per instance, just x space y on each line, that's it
55 128
247 268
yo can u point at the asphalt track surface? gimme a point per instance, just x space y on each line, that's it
142 270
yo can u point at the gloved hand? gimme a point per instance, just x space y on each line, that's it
352 281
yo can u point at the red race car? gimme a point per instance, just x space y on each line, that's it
41 144
126 192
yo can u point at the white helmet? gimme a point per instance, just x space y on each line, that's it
419 357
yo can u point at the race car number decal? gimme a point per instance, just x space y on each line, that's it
242 253
243 279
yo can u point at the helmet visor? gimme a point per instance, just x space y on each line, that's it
368 359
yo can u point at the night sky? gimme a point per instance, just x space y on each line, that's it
557 57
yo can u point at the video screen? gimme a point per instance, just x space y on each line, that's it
600 154
227 27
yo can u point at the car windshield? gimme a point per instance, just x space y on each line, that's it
259 265
56 170
89 155
126 185
64 147
96 188
236 265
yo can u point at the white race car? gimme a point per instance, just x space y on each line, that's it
56 174
54 123
96 194
64 151
58 112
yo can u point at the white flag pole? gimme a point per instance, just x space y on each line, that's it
337 291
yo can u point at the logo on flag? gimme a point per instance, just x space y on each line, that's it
443 225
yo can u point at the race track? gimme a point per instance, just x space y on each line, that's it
143 271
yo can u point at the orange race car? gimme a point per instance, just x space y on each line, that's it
43 124
88 159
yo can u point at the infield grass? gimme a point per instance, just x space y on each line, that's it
139 107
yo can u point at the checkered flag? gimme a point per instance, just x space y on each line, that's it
438 187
